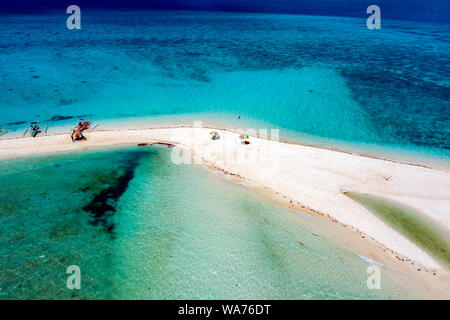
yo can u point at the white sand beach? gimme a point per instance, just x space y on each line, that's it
307 178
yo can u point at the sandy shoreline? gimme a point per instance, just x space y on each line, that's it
304 177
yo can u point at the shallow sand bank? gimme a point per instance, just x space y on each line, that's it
307 178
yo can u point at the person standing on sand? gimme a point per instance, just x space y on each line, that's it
34 129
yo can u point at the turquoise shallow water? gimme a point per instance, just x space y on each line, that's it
139 226
326 78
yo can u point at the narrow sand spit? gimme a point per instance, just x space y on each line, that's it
309 178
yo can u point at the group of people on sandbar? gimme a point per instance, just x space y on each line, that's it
77 133
244 137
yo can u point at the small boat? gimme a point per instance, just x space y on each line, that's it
89 125
33 133
93 126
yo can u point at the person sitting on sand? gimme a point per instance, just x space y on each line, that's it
77 136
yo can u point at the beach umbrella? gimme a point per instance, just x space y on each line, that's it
243 137
214 135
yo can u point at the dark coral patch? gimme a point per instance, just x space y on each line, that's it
65 102
103 206
16 123
60 118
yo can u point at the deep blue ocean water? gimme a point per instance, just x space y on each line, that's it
417 10
311 76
